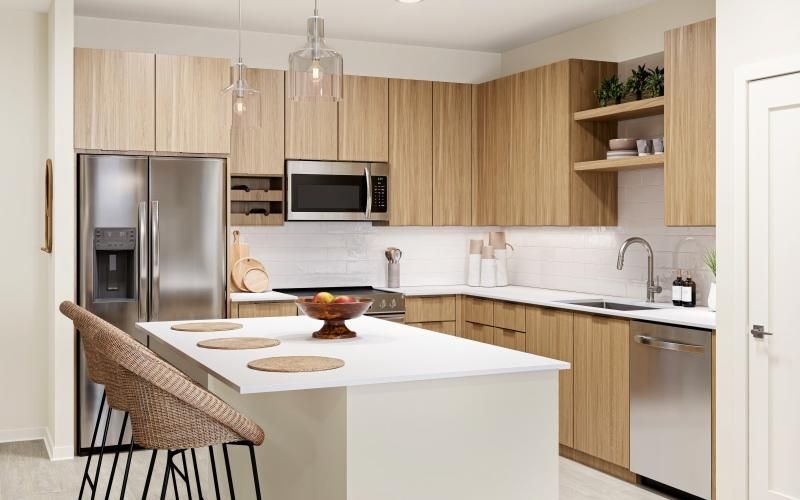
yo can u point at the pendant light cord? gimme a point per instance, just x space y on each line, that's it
316 12
240 30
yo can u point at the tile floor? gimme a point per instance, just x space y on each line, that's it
27 474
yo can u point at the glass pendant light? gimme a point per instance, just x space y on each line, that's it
245 98
315 71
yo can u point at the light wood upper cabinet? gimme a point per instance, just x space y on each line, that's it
364 119
452 154
411 152
602 389
690 125
257 145
114 100
312 130
192 114
550 335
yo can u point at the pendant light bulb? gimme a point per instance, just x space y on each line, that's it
315 71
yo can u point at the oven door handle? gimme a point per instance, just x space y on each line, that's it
368 176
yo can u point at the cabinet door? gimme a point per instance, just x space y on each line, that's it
192 114
364 119
690 125
510 339
257 138
115 97
448 327
312 130
509 315
602 392
479 310
479 333
427 309
452 154
411 152
550 335
491 168
263 309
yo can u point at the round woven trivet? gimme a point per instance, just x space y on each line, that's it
292 364
219 326
238 343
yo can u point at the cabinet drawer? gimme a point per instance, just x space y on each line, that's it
263 310
478 332
509 316
509 339
448 327
479 311
427 309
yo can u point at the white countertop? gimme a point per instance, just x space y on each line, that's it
383 352
261 297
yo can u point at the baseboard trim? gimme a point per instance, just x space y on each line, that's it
598 464
57 453
15 435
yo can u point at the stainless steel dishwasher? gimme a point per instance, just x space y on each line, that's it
670 383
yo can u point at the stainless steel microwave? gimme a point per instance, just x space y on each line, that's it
335 190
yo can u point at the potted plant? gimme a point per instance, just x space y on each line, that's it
654 85
611 89
710 260
636 82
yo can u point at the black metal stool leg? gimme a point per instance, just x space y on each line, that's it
102 450
116 455
94 438
173 468
197 475
149 474
186 475
165 483
228 471
255 470
127 470
214 470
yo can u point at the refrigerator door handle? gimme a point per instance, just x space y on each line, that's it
142 229
155 283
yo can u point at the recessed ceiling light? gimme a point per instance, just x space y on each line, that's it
409 1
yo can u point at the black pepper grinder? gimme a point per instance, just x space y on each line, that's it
689 291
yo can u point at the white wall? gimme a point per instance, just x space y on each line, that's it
23 140
626 36
271 51
747 33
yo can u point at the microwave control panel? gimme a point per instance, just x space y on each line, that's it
379 194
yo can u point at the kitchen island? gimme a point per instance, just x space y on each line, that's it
413 414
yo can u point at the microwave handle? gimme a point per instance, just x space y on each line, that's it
368 175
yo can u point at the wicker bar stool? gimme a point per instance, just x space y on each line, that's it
168 411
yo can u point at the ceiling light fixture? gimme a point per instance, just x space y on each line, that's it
245 98
316 70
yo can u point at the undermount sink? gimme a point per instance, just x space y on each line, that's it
602 304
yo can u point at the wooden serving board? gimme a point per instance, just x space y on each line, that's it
239 251
241 267
256 280
295 364
217 326
238 343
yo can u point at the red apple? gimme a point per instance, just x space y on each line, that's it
323 298
344 299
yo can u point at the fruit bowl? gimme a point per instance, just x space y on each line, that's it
334 316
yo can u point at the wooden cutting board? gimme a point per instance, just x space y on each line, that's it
239 251
241 267
256 280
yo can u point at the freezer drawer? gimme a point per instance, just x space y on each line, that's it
670 387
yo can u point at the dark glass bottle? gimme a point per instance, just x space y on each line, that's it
689 291
677 289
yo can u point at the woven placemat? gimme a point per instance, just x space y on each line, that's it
293 364
217 326
238 343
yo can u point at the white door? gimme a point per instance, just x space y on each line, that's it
774 274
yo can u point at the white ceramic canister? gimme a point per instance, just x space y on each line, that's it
488 268
474 263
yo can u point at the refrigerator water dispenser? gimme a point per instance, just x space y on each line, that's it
115 261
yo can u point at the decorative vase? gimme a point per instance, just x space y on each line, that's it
712 297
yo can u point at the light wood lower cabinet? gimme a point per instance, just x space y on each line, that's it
509 316
430 309
262 309
478 332
479 310
601 384
510 339
448 327
549 334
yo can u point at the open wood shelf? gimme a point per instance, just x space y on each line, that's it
624 111
616 165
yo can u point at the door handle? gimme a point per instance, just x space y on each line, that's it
668 345
759 332
368 175
142 261
155 283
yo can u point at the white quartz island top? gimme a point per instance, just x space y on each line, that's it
383 352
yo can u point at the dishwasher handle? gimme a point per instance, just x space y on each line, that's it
669 345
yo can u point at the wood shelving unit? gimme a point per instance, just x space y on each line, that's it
256 200
624 111
620 164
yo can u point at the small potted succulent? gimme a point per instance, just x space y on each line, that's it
611 89
635 83
654 85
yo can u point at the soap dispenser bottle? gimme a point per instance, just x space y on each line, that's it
689 291
677 289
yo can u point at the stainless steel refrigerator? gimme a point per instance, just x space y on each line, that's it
151 247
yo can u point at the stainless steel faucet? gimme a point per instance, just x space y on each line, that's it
652 288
